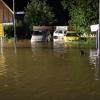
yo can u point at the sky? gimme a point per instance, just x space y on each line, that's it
19 4
55 4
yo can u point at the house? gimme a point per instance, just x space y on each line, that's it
6 14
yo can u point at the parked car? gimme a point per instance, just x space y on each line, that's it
58 35
71 37
37 36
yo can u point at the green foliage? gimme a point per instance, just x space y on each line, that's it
39 13
22 30
19 23
8 31
78 20
82 13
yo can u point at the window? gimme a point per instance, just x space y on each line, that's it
37 33
59 31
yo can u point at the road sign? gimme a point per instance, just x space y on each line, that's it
94 28
1 30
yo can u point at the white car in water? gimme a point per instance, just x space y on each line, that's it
58 35
37 36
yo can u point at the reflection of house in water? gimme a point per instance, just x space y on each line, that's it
3 68
6 14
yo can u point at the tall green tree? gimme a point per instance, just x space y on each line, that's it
39 13
82 13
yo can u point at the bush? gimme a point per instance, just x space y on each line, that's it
8 31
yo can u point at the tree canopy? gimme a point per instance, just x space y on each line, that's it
39 13
82 13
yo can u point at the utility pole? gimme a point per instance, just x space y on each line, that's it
98 35
14 22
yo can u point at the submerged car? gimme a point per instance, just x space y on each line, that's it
71 37
37 36
58 35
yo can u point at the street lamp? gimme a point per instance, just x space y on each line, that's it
14 21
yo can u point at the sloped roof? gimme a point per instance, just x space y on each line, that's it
7 6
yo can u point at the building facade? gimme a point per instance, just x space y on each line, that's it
6 14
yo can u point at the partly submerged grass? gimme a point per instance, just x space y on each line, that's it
90 43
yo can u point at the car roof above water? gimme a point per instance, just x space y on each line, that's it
37 33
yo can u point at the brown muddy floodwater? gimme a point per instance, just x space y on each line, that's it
47 71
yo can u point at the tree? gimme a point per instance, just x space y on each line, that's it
39 13
82 13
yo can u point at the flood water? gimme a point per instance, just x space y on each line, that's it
46 71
